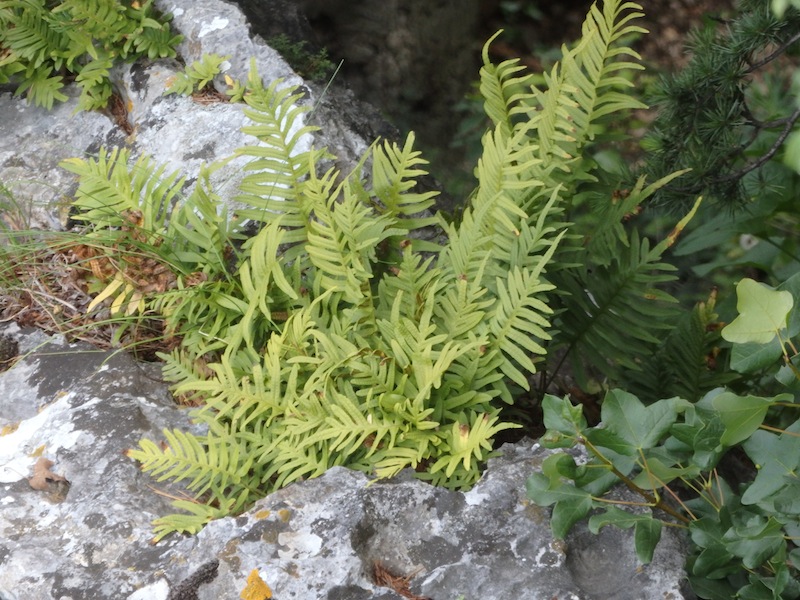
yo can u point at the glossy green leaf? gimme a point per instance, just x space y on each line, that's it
755 544
647 530
658 474
617 517
776 457
714 562
607 439
762 313
741 415
571 503
568 512
751 357
639 425
712 589
646 536
561 415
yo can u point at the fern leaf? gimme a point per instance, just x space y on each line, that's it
108 188
685 363
611 315
517 322
342 238
280 163
219 464
468 443
42 89
32 38
501 88
199 515
394 174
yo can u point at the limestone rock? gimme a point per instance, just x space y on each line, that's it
176 130
90 538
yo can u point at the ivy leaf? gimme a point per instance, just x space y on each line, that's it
742 415
562 420
755 544
606 438
762 313
714 561
752 357
639 425
614 516
657 474
776 457
646 536
548 488
561 415
647 530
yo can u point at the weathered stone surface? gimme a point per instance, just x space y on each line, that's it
317 539
175 130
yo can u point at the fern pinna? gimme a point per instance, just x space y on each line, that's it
337 335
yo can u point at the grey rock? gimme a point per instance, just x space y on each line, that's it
316 539
175 130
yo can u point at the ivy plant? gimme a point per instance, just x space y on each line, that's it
671 454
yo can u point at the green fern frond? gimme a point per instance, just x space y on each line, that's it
279 164
218 464
685 363
154 42
95 85
108 188
517 322
408 281
395 171
581 90
31 39
611 314
342 237
199 515
469 444
98 18
42 89
502 88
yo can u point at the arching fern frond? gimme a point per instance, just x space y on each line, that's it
395 171
502 87
108 188
282 160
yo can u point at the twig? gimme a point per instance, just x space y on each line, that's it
780 50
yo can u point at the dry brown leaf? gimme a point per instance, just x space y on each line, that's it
43 478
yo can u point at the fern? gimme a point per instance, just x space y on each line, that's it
45 42
342 330
278 169
685 364
108 189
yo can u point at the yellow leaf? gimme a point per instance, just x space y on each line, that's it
256 588
112 287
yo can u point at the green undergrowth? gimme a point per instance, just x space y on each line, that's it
333 318
744 523
45 45
357 327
